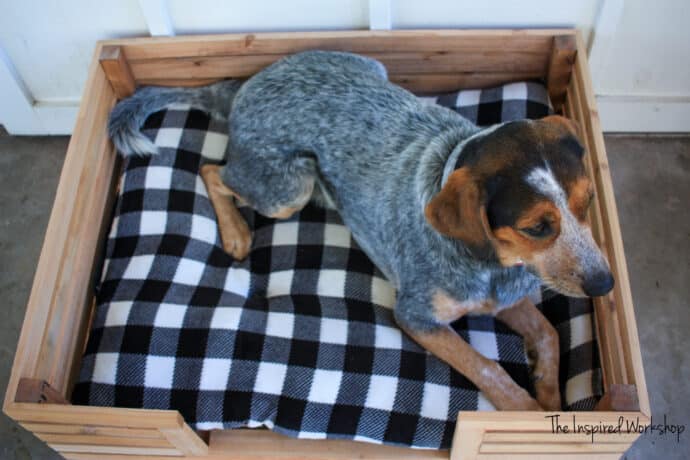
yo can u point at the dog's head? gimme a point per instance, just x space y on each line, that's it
520 193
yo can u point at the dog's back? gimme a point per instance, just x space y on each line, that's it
367 136
333 105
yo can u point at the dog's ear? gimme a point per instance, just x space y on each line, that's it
569 124
459 211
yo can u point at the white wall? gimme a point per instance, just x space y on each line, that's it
642 78
51 42
45 50
415 14
642 48
218 16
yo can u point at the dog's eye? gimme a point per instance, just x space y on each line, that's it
541 230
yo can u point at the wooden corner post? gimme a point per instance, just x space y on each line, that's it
39 392
117 71
561 64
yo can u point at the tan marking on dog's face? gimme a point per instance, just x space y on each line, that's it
514 245
543 212
580 195
446 309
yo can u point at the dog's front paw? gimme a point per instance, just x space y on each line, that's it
545 373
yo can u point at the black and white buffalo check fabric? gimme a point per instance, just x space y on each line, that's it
299 337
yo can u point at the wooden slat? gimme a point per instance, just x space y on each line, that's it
474 428
513 55
131 456
467 440
615 366
110 430
51 428
531 456
527 421
416 83
624 309
606 323
396 63
73 292
116 68
560 68
62 284
557 438
469 61
552 448
144 452
185 440
533 40
95 416
98 440
81 335
186 82
441 83
201 67
264 445
608 364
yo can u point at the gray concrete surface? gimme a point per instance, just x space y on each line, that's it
652 182
29 172
651 178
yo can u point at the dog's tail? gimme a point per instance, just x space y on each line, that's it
130 114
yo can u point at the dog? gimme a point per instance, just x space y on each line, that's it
462 220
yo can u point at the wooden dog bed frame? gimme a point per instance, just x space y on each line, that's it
61 302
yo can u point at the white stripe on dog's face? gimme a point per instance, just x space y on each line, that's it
544 182
574 255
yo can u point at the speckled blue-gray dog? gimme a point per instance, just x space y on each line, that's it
461 220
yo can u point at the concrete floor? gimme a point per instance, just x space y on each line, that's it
652 183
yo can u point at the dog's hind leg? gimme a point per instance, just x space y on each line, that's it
275 184
541 340
234 233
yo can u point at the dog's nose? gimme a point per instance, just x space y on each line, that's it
598 284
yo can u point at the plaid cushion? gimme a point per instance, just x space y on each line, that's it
299 337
